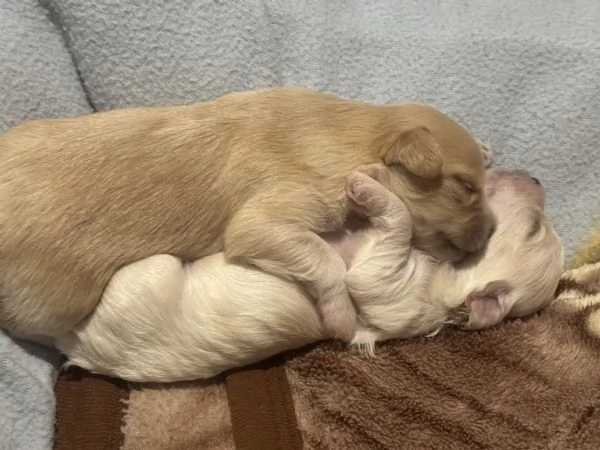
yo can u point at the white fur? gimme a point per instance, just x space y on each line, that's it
161 321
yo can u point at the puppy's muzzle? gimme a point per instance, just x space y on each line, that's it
478 233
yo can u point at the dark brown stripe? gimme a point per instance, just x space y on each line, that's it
589 286
262 408
89 411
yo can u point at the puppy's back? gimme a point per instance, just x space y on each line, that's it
81 197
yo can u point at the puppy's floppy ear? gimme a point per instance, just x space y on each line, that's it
415 149
490 305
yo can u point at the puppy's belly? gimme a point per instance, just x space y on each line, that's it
161 321
347 240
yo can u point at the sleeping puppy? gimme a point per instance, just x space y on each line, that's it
257 175
514 276
160 320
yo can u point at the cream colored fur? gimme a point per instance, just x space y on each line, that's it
160 320
257 175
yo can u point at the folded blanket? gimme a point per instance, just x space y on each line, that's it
27 375
37 79
522 75
526 384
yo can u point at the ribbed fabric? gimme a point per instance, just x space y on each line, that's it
89 411
262 409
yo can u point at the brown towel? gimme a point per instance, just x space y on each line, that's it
262 409
88 411
525 385
178 416
100 413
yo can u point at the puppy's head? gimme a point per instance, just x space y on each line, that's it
438 169
522 264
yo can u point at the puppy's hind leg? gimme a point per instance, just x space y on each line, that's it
277 233
376 272
377 277
388 214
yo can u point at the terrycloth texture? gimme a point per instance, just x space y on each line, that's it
99 413
37 79
522 75
533 384
261 407
177 417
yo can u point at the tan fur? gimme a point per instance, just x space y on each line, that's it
254 174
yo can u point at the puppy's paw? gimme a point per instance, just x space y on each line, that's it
369 197
488 156
340 322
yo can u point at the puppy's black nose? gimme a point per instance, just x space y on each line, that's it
536 181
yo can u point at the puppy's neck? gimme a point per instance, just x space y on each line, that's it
448 288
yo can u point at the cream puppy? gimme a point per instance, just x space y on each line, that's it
160 320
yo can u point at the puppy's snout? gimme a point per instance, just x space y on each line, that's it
512 182
477 234
488 226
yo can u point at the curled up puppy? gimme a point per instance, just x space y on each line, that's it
160 320
256 175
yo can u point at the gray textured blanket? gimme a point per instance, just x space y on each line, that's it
523 76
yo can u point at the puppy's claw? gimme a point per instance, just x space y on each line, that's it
488 156
370 197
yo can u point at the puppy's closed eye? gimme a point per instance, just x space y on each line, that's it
465 184
465 189
535 225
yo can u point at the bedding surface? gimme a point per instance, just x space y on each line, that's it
522 76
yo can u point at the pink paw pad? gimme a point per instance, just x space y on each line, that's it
369 196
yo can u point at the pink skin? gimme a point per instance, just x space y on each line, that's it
346 240
368 199
514 182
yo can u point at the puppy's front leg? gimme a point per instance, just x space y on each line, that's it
277 233
391 222
377 277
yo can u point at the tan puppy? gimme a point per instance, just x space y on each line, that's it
254 174
161 321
